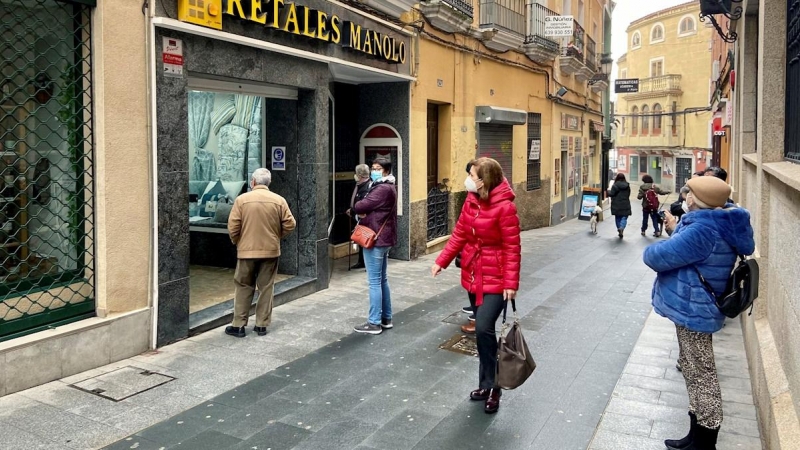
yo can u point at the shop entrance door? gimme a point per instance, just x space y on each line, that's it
564 176
634 168
654 168
683 171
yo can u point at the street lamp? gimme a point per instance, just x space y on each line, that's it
605 70
732 9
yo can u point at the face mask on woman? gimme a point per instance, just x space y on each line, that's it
685 206
469 183
376 175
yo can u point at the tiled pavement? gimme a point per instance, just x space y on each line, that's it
311 383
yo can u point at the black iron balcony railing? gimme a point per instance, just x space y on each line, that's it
462 6
575 45
536 15
591 56
504 14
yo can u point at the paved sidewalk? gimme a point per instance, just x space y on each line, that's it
313 383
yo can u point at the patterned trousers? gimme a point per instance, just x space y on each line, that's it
700 372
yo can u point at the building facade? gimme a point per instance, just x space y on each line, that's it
764 84
665 126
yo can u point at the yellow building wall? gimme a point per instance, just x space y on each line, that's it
689 56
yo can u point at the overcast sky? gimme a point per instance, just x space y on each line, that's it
626 12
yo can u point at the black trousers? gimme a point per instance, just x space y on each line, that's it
485 318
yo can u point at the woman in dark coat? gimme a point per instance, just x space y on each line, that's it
379 213
620 194
363 184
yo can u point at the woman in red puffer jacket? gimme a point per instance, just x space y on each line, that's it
487 235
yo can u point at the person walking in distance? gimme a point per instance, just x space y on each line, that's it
648 194
378 210
705 242
259 220
620 194
363 183
487 235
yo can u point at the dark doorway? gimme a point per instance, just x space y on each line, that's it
634 168
433 146
683 171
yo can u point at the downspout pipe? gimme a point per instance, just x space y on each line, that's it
150 33
605 145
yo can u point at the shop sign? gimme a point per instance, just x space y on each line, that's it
172 56
278 158
559 26
570 122
536 149
626 85
293 18
728 112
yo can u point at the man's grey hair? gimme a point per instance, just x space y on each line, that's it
362 170
262 177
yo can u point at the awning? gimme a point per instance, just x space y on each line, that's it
500 116
598 126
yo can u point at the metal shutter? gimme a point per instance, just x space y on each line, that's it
496 141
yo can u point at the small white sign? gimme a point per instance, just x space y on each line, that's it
172 56
728 112
559 26
278 158
536 149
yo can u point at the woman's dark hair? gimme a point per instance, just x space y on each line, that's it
385 164
490 172
620 177
718 172
647 179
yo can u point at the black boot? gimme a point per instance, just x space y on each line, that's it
704 439
681 444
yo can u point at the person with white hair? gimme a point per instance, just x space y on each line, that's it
259 220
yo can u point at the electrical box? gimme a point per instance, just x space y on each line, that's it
207 13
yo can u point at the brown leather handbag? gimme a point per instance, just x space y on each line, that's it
364 236
514 361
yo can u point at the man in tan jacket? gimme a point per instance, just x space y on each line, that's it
259 220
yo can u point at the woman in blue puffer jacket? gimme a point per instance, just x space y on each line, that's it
707 239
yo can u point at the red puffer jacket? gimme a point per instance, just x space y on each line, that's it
487 235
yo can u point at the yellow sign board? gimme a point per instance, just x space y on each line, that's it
207 13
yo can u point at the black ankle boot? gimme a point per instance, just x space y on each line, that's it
682 444
704 439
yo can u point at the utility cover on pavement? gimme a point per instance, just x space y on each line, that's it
466 345
122 383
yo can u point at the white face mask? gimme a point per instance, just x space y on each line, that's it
470 184
685 206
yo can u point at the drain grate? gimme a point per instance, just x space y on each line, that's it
459 343
122 383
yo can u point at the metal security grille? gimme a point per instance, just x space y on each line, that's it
46 165
534 178
495 141
792 141
438 212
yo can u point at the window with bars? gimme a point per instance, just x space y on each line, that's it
792 132
534 178
557 177
46 165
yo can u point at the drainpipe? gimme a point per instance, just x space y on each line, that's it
150 34
605 146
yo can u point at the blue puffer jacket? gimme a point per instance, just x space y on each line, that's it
704 238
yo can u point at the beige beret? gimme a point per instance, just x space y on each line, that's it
710 190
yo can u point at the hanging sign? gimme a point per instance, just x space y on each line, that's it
626 85
559 26
172 56
536 149
278 158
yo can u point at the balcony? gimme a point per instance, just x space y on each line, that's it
572 56
538 47
657 87
450 16
505 20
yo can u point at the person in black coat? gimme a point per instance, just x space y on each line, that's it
620 194
363 185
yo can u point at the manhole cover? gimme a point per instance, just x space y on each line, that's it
460 343
122 383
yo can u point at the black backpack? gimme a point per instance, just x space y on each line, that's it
740 291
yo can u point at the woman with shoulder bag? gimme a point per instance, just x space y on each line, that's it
620 194
705 242
379 211
487 235
363 184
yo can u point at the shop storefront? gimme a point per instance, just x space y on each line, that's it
308 91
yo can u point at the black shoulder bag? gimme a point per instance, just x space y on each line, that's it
740 291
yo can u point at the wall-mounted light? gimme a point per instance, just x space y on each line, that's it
561 92
605 68
732 9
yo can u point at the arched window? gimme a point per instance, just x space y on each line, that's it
657 33
657 110
687 26
645 120
634 121
636 40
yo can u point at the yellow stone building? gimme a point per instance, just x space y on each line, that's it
665 128
489 83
